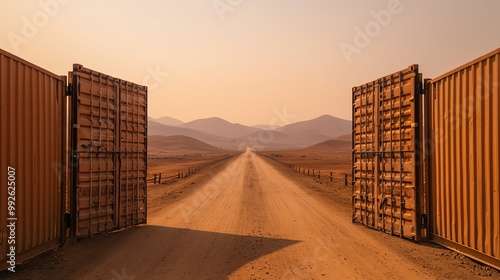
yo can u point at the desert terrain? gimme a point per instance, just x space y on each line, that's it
251 217
331 160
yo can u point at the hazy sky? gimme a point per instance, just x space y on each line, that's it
249 61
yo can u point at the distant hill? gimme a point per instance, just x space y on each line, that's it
306 133
269 139
223 134
317 130
266 126
167 121
178 144
220 127
156 128
347 138
329 145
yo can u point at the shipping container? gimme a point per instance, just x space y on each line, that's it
109 151
133 154
386 155
32 158
464 167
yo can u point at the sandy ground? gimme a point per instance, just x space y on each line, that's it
249 219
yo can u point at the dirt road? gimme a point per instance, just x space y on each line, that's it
249 221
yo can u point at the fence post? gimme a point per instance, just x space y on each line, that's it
308 172
154 180
331 176
159 179
345 178
178 175
319 172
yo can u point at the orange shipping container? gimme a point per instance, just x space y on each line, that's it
32 161
386 155
109 152
464 171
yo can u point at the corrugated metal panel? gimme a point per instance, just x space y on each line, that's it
464 168
109 148
386 166
32 117
133 156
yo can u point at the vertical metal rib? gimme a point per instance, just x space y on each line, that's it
90 149
391 156
362 188
400 155
380 136
126 156
99 156
107 153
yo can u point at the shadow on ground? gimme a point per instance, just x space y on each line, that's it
150 252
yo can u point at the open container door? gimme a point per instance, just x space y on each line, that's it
386 154
109 151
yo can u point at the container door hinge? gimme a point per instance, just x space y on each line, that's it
423 221
69 90
67 219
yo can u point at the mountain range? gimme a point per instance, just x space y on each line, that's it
220 133
176 144
166 120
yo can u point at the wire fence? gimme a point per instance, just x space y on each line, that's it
327 176
159 177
